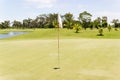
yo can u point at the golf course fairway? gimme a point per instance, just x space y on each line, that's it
80 59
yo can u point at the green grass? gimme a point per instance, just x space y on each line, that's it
80 59
64 34
83 55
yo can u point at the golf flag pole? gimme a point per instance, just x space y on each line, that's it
59 26
58 48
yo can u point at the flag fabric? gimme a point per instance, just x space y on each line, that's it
60 21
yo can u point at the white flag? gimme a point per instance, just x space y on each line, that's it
60 21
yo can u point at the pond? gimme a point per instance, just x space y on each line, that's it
11 34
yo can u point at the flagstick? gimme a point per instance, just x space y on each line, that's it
58 49
58 56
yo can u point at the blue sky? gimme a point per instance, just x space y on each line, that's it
21 9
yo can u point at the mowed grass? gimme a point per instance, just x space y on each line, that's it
83 55
64 34
80 59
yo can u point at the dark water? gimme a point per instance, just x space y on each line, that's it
11 34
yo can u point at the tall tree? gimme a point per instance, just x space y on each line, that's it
27 23
77 26
5 24
17 24
33 24
116 23
85 19
52 18
104 21
41 20
68 20
97 22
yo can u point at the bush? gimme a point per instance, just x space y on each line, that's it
77 28
109 28
100 30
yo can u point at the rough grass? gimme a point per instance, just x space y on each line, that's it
64 34
80 59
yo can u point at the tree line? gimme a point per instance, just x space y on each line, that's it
51 21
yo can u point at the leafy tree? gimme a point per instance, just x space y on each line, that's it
27 23
41 20
104 22
5 24
97 23
17 24
52 18
55 23
91 25
85 19
33 24
109 28
77 27
68 20
116 23
100 30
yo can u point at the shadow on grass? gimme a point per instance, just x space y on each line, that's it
100 35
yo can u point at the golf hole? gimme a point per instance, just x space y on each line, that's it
56 68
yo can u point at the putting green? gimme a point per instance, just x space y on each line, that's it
80 59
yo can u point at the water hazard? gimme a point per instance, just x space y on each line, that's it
11 34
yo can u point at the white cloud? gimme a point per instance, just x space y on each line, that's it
41 3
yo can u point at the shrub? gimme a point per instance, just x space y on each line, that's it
100 30
109 28
77 28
